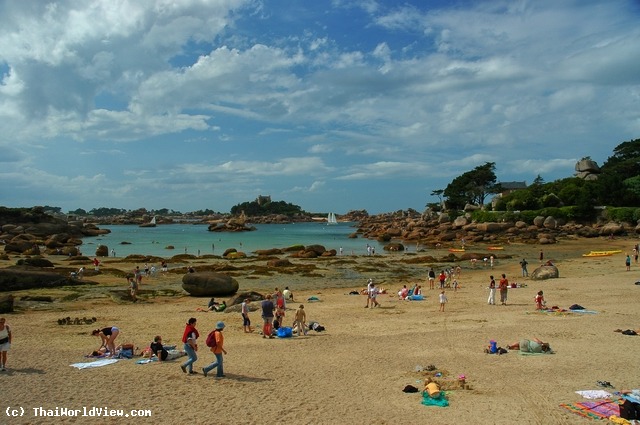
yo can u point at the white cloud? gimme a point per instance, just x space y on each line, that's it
523 84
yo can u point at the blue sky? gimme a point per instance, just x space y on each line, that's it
331 105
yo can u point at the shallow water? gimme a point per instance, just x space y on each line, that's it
197 240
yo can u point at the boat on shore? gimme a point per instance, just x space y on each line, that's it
598 254
152 223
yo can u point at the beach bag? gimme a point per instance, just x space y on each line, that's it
284 332
211 339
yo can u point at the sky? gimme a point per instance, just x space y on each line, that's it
332 105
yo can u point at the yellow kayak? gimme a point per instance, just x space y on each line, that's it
610 252
495 248
598 254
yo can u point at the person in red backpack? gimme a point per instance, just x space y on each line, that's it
217 350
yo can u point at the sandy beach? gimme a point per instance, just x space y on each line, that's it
355 371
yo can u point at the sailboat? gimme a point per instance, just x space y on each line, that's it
152 223
331 219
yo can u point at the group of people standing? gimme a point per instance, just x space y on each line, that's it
503 287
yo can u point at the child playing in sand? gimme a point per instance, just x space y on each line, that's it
443 300
299 320
539 299
373 294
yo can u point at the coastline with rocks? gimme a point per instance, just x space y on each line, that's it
362 352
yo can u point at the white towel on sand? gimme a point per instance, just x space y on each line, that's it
97 363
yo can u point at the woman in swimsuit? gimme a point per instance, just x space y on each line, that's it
108 336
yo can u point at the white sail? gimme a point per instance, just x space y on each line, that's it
331 219
153 220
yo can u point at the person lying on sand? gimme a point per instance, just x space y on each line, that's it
530 346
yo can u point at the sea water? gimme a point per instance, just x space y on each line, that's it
197 240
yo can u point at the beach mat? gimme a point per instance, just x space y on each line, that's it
440 401
594 409
563 312
97 363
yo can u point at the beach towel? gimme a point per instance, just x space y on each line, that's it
594 394
440 401
97 363
594 409
418 297
527 353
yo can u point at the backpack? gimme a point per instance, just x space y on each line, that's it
211 339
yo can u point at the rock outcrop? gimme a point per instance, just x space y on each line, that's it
587 169
545 272
13 279
209 284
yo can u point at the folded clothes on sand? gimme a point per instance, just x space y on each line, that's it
594 394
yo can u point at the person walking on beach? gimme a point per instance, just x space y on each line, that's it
442 278
96 264
190 340
133 289
246 322
523 264
299 321
369 283
108 336
627 262
5 343
432 278
373 295
267 317
492 291
443 300
218 350
541 256
504 287
280 307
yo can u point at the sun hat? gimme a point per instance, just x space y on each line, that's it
220 325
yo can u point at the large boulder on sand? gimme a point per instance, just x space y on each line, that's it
16 279
6 303
102 251
209 284
545 272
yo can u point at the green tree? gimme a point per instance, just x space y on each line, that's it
615 185
472 187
